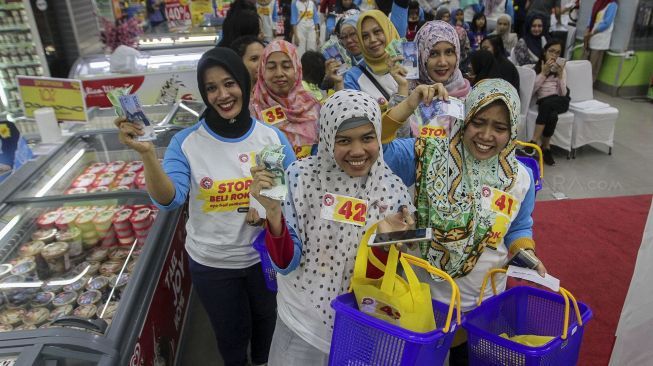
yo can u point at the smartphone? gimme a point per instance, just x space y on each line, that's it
524 259
560 61
395 237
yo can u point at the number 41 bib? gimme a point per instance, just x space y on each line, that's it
345 209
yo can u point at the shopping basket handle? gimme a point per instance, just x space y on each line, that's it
566 295
539 154
455 292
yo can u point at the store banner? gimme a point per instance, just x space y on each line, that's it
64 95
160 88
178 15
201 12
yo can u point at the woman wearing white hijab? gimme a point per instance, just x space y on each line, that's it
315 255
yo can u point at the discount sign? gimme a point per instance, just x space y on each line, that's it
178 15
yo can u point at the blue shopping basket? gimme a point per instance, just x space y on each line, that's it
526 310
536 165
360 339
269 273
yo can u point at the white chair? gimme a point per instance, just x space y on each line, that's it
594 121
526 83
564 129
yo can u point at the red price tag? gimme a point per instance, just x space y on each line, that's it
273 115
176 11
348 210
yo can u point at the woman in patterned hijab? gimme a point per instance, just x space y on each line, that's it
314 254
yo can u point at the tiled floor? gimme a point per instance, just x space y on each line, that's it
594 173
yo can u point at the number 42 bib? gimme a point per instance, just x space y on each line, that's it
345 209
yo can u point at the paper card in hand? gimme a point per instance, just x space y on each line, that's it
271 157
134 113
410 62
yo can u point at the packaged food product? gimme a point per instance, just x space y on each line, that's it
72 236
96 168
99 189
110 267
102 220
36 316
104 179
134 166
6 328
47 220
119 282
56 254
110 310
121 219
84 221
25 268
12 316
64 298
85 311
140 180
90 297
84 180
60 312
5 269
125 179
77 190
115 166
93 267
98 283
49 287
47 236
78 285
97 254
120 188
25 326
66 220
42 299
118 254
32 248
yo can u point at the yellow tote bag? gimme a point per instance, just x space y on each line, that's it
391 298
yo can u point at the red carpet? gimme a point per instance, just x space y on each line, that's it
591 245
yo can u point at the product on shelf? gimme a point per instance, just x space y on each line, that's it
112 176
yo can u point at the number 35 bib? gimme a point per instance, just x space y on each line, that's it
345 209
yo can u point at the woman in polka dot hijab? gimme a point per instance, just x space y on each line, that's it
349 163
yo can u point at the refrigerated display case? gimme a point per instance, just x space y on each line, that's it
92 278
21 52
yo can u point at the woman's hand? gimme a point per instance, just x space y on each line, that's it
561 68
426 93
546 67
398 73
331 66
263 179
128 133
400 221
541 270
253 219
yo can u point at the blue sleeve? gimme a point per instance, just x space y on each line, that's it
293 13
176 167
522 226
399 17
608 17
316 18
510 10
274 11
399 155
421 14
287 148
351 78
358 3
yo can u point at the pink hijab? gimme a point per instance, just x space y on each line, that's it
301 108
428 36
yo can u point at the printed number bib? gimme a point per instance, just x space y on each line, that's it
348 210
273 115
499 201
302 151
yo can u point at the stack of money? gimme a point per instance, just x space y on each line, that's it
271 157
114 97
395 47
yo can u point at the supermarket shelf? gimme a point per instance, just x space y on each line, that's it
15 28
20 64
16 45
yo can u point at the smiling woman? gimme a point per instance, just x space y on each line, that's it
279 91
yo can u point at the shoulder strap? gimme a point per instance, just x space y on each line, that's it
374 81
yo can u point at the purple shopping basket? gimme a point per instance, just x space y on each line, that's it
524 310
360 339
535 168
269 273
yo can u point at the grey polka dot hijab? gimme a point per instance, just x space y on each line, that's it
329 247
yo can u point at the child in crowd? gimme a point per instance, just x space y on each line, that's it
414 22
267 11
477 31
314 71
552 96
306 25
